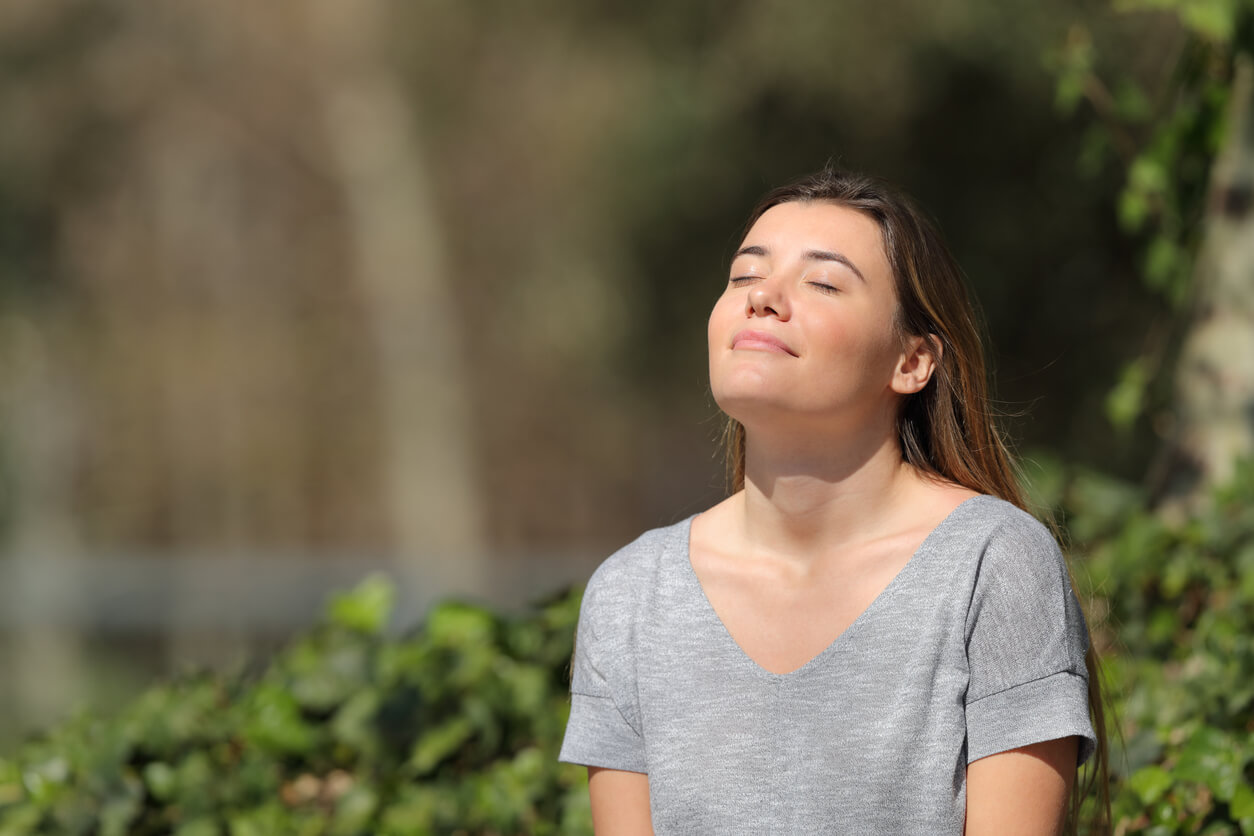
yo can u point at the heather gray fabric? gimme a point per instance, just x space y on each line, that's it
976 647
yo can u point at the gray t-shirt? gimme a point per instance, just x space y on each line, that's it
976 647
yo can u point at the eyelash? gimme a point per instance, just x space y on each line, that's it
736 281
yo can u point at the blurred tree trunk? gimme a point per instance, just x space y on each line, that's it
404 275
1215 376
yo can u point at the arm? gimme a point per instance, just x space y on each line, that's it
620 802
1023 791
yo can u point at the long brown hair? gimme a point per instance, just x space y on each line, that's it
948 429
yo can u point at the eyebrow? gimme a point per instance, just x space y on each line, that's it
810 255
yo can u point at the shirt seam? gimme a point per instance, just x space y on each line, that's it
1027 682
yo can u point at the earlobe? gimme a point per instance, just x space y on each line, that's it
918 364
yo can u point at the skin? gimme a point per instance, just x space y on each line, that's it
1022 792
620 802
804 354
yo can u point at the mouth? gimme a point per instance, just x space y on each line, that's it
760 341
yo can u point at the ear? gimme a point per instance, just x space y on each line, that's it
917 363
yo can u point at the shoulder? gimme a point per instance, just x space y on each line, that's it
1005 536
623 580
1021 545
1022 586
641 557
1004 554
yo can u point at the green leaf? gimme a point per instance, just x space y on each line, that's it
1242 804
1131 103
323 674
1072 65
1126 401
354 723
367 607
440 742
44 780
117 813
259 822
461 625
199 827
21 821
1133 210
196 780
10 783
354 811
161 780
1211 758
1164 264
417 812
1150 783
1213 19
274 722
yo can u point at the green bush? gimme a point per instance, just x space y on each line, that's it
1172 604
451 730
454 729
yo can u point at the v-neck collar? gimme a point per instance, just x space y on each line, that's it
846 640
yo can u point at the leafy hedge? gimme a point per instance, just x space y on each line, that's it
451 730
1174 605
454 729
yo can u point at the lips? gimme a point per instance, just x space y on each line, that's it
761 341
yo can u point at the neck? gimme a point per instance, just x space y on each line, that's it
809 496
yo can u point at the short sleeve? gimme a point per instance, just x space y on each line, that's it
604 728
1026 642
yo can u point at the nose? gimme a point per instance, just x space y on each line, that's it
766 298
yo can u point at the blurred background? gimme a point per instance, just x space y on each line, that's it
295 291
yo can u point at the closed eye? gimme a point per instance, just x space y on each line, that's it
739 280
824 287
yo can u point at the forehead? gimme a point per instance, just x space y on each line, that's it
788 228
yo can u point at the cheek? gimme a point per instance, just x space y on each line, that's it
716 327
857 351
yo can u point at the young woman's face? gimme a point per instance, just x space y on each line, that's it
806 323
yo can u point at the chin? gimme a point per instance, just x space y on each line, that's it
751 406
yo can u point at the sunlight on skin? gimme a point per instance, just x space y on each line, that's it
620 802
1021 792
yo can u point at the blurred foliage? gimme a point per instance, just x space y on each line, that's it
1164 131
1172 610
456 728
452 729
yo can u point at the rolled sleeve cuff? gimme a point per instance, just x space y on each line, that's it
1044 709
598 735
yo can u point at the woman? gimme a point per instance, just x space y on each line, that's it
869 635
